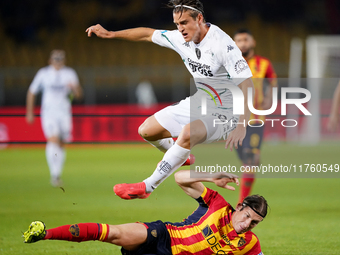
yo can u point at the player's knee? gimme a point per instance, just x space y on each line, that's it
250 158
143 130
179 177
54 139
147 128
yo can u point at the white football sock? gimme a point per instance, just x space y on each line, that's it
163 144
55 156
171 161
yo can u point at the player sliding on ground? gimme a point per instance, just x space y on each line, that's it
215 63
214 228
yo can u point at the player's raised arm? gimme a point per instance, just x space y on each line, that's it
194 186
236 137
133 34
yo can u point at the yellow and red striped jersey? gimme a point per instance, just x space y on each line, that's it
261 68
209 230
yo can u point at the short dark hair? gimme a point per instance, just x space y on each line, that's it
257 203
192 3
242 31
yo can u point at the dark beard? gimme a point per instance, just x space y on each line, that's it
246 54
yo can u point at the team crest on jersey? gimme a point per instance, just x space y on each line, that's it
74 230
207 231
198 53
154 233
241 242
187 44
240 66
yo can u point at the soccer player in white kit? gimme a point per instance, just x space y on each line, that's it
56 82
215 62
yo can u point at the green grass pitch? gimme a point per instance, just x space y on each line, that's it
303 219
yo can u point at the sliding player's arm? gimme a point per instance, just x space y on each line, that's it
134 34
236 136
194 186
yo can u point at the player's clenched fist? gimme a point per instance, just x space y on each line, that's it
98 30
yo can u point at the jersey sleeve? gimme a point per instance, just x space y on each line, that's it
210 198
165 38
234 63
36 84
252 246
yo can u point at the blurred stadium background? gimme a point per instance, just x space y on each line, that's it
110 71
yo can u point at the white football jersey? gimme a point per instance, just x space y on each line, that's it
215 62
55 86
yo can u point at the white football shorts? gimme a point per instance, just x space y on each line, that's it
57 124
174 117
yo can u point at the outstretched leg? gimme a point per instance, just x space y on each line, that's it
192 134
130 236
155 134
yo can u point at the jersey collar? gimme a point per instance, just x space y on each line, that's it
204 38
